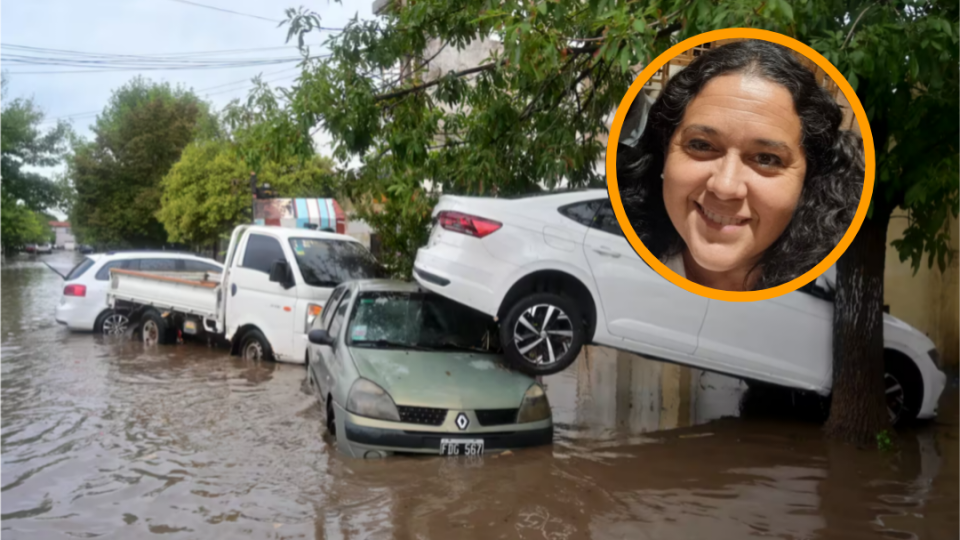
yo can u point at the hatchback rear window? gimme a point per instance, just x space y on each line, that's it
79 269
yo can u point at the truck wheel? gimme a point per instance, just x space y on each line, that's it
254 346
154 329
542 334
111 323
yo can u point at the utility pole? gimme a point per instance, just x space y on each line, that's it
253 195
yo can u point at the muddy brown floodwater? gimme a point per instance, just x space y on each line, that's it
111 440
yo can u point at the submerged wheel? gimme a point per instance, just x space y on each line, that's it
154 329
542 334
111 323
254 346
331 421
904 390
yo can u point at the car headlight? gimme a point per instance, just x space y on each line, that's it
535 406
313 311
369 400
934 356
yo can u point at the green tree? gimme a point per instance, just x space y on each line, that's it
137 139
531 116
207 192
24 193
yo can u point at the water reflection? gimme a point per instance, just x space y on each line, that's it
104 438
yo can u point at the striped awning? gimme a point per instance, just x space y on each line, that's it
297 213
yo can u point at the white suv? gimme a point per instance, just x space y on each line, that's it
83 305
557 273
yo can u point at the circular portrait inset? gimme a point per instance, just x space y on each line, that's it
740 167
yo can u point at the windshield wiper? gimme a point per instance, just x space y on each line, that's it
447 346
386 344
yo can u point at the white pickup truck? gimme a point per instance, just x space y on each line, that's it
275 282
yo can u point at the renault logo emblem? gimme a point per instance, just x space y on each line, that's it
462 421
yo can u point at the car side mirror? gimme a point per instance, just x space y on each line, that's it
320 336
280 273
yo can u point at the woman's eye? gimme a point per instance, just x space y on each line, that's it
769 160
698 145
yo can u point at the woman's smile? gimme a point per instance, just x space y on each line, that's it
719 221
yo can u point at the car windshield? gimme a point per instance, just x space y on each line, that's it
421 321
330 262
79 269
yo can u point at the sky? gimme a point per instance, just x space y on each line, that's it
152 27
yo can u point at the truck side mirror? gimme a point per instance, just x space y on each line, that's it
320 336
280 273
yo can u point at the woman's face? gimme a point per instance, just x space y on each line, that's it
734 170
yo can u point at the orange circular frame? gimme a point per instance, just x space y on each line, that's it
614 191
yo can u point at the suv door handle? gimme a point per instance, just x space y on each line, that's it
607 252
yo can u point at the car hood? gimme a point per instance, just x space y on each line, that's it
446 380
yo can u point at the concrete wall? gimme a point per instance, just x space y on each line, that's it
927 300
606 389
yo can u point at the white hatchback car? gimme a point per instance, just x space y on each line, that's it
557 272
83 305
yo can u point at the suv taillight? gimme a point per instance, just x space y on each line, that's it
467 224
75 290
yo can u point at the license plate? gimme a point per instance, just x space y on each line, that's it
461 447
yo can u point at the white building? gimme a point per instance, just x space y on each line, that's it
64 236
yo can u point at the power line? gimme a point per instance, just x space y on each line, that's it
215 8
99 62
199 92
188 2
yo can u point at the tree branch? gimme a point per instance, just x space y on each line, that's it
435 82
852 28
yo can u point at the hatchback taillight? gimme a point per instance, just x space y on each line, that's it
467 224
75 290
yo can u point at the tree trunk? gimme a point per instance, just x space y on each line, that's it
858 409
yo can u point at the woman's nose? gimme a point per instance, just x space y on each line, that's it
727 181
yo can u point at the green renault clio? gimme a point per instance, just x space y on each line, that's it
401 369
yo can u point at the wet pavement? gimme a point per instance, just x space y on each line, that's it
111 440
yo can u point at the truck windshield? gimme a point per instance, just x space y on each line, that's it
417 320
328 263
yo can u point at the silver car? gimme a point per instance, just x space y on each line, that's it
400 369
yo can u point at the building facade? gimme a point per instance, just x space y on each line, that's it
64 235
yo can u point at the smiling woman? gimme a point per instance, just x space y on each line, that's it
742 179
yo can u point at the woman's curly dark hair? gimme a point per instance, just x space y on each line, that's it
835 164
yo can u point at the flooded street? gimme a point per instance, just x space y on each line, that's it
111 440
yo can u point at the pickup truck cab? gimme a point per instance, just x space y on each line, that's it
275 281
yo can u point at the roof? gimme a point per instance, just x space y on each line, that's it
287 233
64 224
152 254
387 285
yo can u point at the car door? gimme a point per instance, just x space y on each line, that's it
786 340
321 355
335 356
638 304
256 300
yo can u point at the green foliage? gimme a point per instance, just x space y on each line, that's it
25 193
207 192
21 225
532 114
884 441
138 138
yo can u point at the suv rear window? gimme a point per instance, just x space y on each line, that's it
79 269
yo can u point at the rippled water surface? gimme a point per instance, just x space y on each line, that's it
111 440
